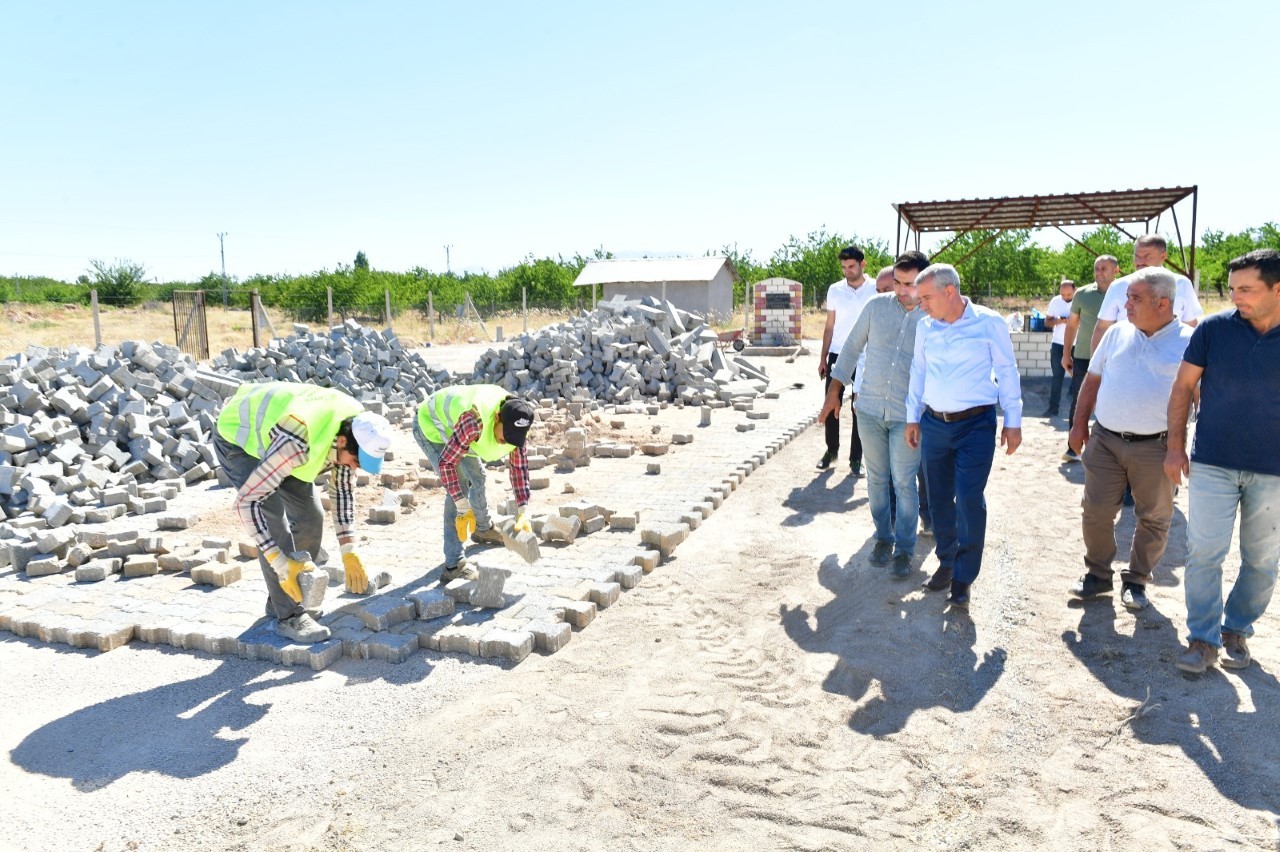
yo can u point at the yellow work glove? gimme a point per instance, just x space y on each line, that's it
465 522
522 523
291 569
357 580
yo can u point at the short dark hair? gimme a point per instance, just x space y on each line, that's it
1152 241
911 261
852 253
1266 261
345 431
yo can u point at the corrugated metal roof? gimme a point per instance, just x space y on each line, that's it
653 271
1039 211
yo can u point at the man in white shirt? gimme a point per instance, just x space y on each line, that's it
1056 318
1130 377
963 365
845 301
1148 250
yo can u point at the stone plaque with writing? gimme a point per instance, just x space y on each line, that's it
777 300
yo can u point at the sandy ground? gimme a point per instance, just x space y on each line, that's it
766 688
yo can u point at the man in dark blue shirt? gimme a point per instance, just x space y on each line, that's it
1235 358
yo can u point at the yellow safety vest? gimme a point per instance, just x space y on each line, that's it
439 414
248 418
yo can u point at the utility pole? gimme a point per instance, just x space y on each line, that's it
448 269
223 251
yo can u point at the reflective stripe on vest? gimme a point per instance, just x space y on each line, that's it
248 418
438 416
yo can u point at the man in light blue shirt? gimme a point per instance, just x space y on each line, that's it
884 336
963 366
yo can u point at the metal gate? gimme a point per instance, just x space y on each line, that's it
189 325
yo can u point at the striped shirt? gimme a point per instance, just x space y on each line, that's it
287 451
888 331
465 433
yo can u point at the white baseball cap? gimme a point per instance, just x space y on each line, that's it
373 433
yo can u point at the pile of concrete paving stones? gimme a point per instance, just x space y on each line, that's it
105 461
624 350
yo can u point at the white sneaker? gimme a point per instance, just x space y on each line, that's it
302 628
1070 456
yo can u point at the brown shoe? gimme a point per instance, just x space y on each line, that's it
1235 651
940 580
1198 657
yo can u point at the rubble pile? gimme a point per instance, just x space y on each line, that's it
624 350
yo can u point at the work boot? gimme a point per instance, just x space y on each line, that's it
303 629
461 571
488 535
940 580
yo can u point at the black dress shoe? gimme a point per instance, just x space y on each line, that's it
959 597
826 460
939 581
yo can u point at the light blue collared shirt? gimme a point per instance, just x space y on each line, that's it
963 364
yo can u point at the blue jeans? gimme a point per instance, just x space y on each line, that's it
471 478
957 461
1215 493
888 458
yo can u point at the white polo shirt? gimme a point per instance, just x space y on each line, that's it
1186 304
848 303
1137 375
1059 308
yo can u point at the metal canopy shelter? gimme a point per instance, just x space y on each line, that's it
1117 208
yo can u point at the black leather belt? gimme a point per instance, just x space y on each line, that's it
1130 436
953 416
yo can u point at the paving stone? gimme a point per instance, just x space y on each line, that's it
176 522
506 644
387 647
579 613
550 636
313 585
627 576
604 595
382 514
140 566
461 638
219 576
647 559
557 528
488 590
381 612
44 565
97 570
431 603
665 538
624 520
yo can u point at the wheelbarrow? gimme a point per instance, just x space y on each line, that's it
733 338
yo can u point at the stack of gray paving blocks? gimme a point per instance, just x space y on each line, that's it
82 431
622 351
369 365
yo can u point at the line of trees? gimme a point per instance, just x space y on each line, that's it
1011 264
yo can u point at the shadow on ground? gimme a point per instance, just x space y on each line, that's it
1223 721
898 650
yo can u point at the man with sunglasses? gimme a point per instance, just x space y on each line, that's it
273 440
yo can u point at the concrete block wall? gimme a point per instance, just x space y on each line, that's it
1032 351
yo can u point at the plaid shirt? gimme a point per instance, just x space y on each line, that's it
288 450
465 433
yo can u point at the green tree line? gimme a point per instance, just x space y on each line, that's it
1009 264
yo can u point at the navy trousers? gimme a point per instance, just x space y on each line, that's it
956 459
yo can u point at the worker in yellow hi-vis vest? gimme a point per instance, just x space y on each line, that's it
273 440
460 428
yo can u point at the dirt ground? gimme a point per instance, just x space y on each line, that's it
764 689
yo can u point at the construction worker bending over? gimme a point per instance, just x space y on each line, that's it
273 440
460 428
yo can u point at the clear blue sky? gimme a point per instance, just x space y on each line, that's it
309 131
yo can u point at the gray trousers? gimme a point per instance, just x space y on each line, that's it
294 517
